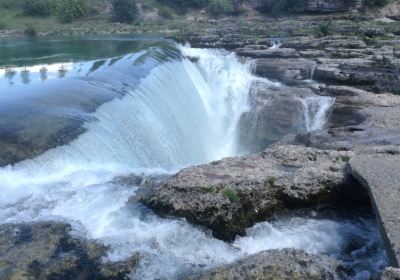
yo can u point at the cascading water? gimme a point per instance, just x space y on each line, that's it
316 110
180 114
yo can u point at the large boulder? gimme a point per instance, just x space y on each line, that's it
231 194
47 250
378 170
287 264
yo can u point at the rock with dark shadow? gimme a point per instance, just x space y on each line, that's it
229 195
47 250
378 170
278 264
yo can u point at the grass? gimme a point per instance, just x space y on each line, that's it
345 158
232 195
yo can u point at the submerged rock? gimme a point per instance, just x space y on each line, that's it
47 250
232 194
278 264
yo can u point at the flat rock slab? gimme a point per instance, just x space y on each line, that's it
230 195
380 173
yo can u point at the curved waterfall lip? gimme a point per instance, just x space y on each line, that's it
148 112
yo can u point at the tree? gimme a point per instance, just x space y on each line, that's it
124 10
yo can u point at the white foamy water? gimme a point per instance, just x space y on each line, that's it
315 109
180 114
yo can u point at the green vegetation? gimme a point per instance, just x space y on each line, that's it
324 29
232 195
278 6
271 181
345 158
69 10
376 3
3 25
38 7
218 7
30 30
166 12
124 10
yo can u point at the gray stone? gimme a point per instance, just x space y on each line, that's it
290 70
287 264
390 273
358 117
274 113
267 53
47 250
232 194
378 170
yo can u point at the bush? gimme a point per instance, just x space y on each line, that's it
324 29
3 25
219 7
376 3
166 12
277 6
68 10
124 10
37 7
30 30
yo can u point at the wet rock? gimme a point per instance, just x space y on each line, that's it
358 117
274 113
47 250
267 53
232 194
290 71
378 170
303 43
329 6
379 73
390 273
275 264
371 32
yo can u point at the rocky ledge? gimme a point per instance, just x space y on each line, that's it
47 250
278 264
229 195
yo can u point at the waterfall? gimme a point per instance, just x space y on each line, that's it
315 109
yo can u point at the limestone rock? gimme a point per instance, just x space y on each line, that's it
232 194
275 264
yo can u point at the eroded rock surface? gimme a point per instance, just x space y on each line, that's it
378 169
47 250
232 194
278 264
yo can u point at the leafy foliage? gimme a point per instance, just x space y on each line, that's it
38 7
376 3
218 7
124 10
277 6
68 10
30 30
